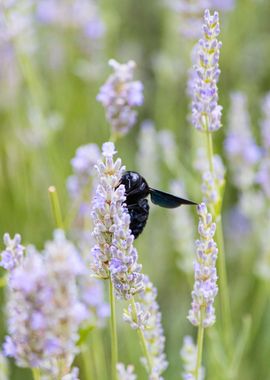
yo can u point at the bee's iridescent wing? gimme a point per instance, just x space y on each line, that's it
167 200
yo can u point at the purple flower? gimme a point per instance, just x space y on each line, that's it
12 256
114 254
206 113
44 311
205 289
119 95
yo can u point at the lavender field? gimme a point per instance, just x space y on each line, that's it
104 106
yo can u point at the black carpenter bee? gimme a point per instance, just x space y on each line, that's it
137 191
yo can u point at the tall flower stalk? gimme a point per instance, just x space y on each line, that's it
206 117
202 312
116 259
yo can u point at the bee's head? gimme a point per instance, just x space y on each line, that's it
135 185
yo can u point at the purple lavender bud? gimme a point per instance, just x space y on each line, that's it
126 373
148 319
12 256
114 254
44 312
242 152
205 288
206 113
119 95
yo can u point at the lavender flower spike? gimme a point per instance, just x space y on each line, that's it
119 95
189 356
114 254
12 256
206 113
205 289
44 311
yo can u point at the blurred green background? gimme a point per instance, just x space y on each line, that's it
48 108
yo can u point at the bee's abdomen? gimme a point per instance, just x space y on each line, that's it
138 216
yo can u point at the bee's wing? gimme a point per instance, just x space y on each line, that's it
168 200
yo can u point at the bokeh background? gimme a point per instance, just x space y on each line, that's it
53 60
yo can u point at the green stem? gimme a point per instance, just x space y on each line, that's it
199 349
36 373
99 355
56 210
88 370
221 263
141 337
114 346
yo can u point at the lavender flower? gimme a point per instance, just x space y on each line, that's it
12 256
205 289
83 168
114 254
189 356
126 373
206 113
119 95
148 318
242 152
43 308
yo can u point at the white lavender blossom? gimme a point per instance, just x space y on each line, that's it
205 288
44 312
119 95
188 355
147 318
206 113
12 256
243 153
126 373
114 254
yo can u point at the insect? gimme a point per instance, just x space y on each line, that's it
137 191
